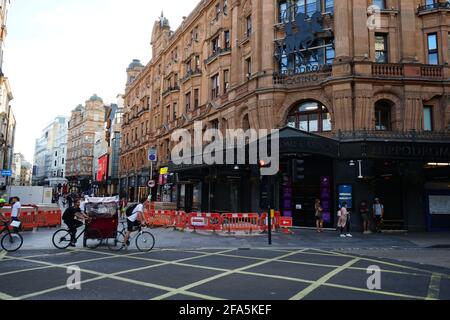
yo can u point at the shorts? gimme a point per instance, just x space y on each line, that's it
131 225
319 217
365 217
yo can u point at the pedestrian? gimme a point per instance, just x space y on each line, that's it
15 211
364 212
319 216
344 221
378 214
69 200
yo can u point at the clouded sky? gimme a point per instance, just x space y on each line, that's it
60 52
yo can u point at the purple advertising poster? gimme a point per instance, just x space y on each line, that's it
325 198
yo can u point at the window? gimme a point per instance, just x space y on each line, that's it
188 102
167 114
217 11
215 124
383 116
227 40
310 116
215 45
188 66
225 7
175 108
196 98
381 50
249 26
215 86
226 80
62 161
428 118
329 6
197 63
282 8
248 67
433 56
380 3
448 44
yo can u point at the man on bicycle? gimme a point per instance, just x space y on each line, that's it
135 220
69 218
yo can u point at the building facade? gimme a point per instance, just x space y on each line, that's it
7 119
84 123
21 171
361 95
50 154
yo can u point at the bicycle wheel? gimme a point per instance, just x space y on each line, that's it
93 239
61 239
145 241
12 242
117 243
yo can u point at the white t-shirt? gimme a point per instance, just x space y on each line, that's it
378 209
15 210
139 209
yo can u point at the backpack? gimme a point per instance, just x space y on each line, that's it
130 209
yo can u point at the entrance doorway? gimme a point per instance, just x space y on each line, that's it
306 179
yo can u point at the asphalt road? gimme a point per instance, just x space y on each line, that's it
215 274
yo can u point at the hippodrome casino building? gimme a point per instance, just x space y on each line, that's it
362 99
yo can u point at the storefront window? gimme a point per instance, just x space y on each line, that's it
310 116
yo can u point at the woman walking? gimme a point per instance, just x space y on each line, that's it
344 221
319 216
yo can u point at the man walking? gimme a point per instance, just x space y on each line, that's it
378 214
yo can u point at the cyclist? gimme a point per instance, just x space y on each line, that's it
135 220
69 218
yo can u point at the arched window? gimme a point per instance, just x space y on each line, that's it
310 116
245 123
383 118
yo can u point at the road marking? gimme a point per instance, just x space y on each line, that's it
435 286
114 276
446 276
4 296
201 282
324 279
2 255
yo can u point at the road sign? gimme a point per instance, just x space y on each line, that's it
151 183
152 155
6 173
164 171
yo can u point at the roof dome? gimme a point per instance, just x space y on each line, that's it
79 108
95 98
135 64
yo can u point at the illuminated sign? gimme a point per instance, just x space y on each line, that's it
164 171
102 171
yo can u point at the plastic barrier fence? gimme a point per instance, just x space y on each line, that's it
240 222
205 221
275 221
180 220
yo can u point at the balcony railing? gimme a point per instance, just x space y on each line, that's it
190 74
217 53
408 135
434 6
432 71
171 89
388 70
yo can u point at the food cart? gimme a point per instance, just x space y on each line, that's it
104 213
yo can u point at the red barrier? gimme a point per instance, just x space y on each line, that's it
180 220
240 222
6 215
161 219
53 218
275 221
28 219
205 221
286 223
41 219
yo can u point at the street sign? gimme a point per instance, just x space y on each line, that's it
152 155
6 173
164 171
151 183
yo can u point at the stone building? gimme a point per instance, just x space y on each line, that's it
22 171
361 94
84 123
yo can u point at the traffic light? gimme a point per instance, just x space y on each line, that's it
298 170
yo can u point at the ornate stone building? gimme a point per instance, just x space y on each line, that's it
362 94
84 123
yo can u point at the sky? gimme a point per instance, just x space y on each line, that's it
58 53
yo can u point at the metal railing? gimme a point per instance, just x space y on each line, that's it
190 74
171 89
217 53
434 6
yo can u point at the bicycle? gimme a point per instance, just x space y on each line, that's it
11 241
92 238
144 240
